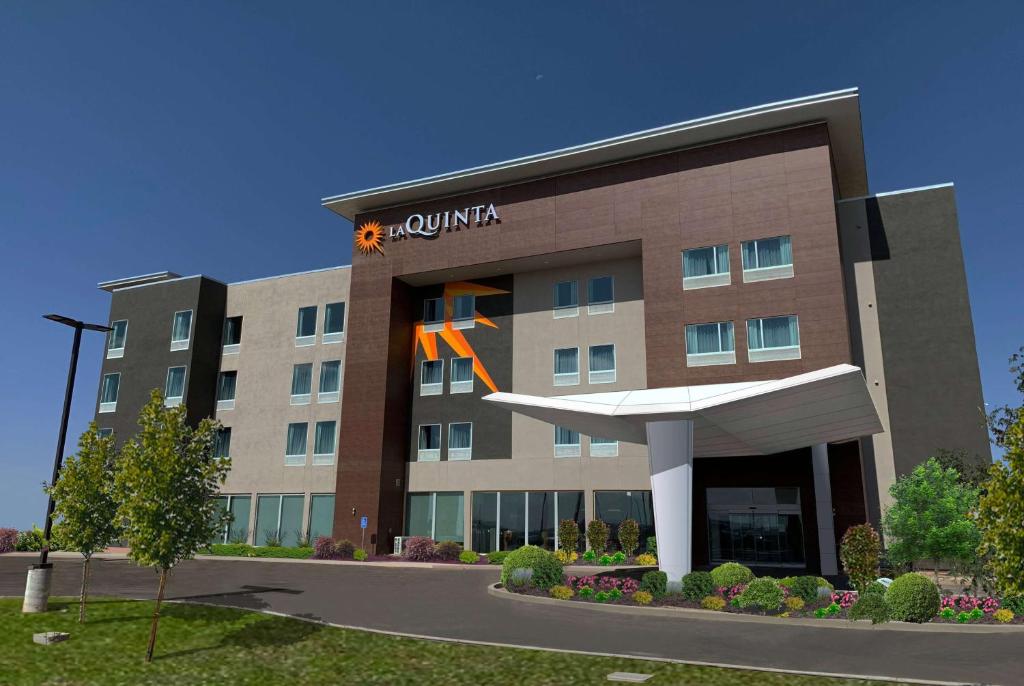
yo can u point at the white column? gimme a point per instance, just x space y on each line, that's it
823 505
670 452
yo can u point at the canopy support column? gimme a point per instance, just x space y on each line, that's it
670 452
823 510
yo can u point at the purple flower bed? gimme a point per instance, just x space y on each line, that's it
8 540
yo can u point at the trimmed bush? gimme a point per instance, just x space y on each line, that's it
696 585
876 587
1003 615
629 536
245 550
763 593
8 540
860 552
232 550
1014 603
804 587
560 592
794 603
497 557
913 597
566 557
655 583
597 536
589 556
448 551
731 574
420 549
520 578
870 606
645 598
568 535
359 555
713 602
605 560
468 557
646 560
31 540
652 545
323 548
280 552
344 549
823 582
547 570
619 558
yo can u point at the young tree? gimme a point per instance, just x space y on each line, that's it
930 517
973 468
166 481
83 499
859 552
1001 509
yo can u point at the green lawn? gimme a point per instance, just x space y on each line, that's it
204 645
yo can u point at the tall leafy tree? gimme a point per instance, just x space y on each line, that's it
84 503
166 481
1001 510
930 516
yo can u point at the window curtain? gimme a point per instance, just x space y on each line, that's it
767 252
175 383
306 325
302 379
462 369
182 324
227 386
706 261
232 330
602 358
600 290
334 318
432 371
565 436
323 443
330 376
774 332
566 294
709 338
567 361
296 439
460 436
222 448
110 384
430 437
465 306
117 335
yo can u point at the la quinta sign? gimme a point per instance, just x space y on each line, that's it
431 225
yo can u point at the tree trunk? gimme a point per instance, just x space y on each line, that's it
156 616
85 587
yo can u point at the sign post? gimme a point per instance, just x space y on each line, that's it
362 532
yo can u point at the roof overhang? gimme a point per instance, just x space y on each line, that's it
752 418
839 110
141 280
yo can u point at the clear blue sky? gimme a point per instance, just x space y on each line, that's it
198 137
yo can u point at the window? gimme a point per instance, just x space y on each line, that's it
305 326
603 447
324 442
567 366
709 344
302 383
115 339
330 382
612 507
600 295
460 441
602 364
181 330
174 389
432 377
108 392
567 442
566 299
773 338
236 529
767 258
232 335
295 448
429 445
706 267
509 519
462 375
321 515
755 525
226 390
435 515
222 445
334 323
279 517
104 432
464 312
433 314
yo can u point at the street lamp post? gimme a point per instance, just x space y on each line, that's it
37 586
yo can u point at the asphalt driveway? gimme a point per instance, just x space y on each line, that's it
453 603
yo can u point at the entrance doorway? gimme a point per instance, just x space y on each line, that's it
757 526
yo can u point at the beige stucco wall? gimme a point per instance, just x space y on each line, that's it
262 412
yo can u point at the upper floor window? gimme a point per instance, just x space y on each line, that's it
464 311
429 444
330 382
181 330
706 267
116 338
108 391
324 442
773 338
433 314
104 432
462 375
767 258
232 334
174 389
600 295
302 383
222 445
602 364
226 390
567 442
709 344
295 447
567 366
566 299
432 377
305 327
334 323
603 447
460 441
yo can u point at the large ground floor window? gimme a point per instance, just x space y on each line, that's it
436 515
612 507
236 530
506 520
755 525
321 516
279 518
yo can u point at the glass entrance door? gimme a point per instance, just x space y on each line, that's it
755 526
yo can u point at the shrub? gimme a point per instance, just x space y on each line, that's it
566 557
281 552
696 585
560 592
520 578
619 558
860 551
794 603
655 583
547 570
448 551
1014 603
597 535
8 540
870 606
823 583
568 535
271 539
646 560
645 598
629 536
713 602
590 556
419 549
323 548
359 555
344 549
876 587
602 596
497 557
652 545
764 594
1003 615
829 611
31 540
585 592
731 574
804 587
232 550
947 613
468 557
605 560
913 598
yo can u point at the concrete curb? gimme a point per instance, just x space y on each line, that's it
711 615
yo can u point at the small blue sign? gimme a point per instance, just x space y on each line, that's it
362 522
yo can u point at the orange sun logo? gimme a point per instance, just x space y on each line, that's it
369 238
